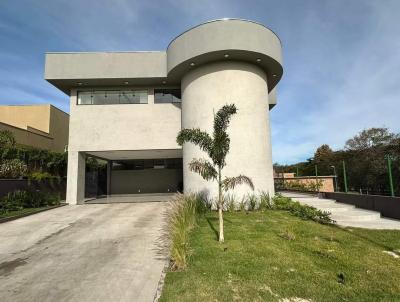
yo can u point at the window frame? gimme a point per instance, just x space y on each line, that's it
112 90
164 88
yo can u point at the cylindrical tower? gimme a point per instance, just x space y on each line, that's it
204 91
224 62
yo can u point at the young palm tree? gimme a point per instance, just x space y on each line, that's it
217 147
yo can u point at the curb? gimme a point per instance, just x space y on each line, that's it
11 218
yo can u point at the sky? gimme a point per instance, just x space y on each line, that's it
341 58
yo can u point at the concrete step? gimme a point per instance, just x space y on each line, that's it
356 215
346 215
329 206
335 209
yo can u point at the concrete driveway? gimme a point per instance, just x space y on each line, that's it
99 252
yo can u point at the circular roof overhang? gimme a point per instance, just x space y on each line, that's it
222 40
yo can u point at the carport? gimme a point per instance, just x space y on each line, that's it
139 175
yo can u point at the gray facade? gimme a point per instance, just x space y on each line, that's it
129 106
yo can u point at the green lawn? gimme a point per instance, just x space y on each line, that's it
259 263
21 212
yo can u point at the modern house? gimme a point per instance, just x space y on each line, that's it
40 126
128 107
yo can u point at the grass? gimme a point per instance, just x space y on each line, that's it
182 215
22 212
273 256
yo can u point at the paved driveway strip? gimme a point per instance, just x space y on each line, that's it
102 252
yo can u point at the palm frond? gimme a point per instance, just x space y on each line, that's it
222 118
197 137
231 182
204 168
220 136
220 149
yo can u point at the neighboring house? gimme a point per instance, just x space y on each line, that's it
41 126
128 107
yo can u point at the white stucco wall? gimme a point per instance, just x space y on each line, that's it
123 126
204 91
76 177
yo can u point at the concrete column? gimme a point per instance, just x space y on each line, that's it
76 177
109 168
204 91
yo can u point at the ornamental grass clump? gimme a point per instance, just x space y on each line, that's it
230 203
251 202
182 216
266 202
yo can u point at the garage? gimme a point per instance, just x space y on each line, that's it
143 176
117 173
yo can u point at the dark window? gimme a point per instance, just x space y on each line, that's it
167 96
104 97
143 164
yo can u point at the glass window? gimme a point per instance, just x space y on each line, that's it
145 164
100 97
167 96
85 97
103 97
133 97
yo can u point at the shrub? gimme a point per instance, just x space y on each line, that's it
7 139
13 201
36 159
265 201
182 217
40 176
19 199
13 168
300 210
297 185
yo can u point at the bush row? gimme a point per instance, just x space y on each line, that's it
263 201
18 200
297 185
300 210
20 161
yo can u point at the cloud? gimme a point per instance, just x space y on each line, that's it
351 85
341 58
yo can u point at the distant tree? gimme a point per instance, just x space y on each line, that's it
217 148
322 152
324 158
371 137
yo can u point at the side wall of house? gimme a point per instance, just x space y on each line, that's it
59 125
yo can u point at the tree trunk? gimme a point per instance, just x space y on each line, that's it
220 205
